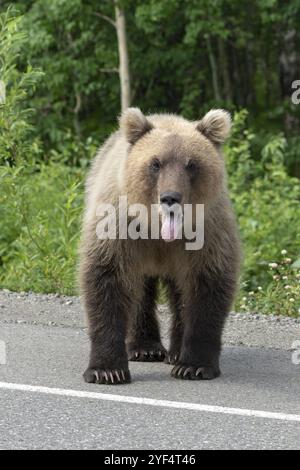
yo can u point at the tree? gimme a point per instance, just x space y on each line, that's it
123 70
123 56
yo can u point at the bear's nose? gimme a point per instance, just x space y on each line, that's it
170 198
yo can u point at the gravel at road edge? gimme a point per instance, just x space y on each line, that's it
52 310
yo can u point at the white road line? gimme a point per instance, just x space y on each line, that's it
149 402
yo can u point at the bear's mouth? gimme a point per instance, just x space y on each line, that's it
171 225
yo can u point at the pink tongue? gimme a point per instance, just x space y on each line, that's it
169 228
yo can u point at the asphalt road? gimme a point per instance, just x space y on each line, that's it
45 404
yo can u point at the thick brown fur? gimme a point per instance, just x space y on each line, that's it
119 277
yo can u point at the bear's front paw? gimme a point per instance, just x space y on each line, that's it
149 351
107 376
172 357
186 372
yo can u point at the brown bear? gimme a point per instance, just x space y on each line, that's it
161 160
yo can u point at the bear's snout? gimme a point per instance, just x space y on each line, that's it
170 198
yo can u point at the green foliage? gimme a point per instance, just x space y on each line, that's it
40 205
170 62
51 127
38 242
71 45
266 200
15 140
281 294
74 152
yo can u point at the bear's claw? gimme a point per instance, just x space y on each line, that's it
171 358
186 372
146 353
107 376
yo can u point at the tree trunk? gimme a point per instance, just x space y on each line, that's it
76 112
123 57
250 68
214 70
224 69
236 77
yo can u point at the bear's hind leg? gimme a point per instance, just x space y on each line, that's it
143 343
175 302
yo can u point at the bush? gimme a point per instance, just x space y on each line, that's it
38 242
266 201
16 143
40 205
282 294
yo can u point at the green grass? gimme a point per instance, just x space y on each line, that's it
40 216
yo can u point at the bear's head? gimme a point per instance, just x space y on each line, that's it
172 160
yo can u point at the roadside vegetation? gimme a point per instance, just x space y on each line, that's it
46 145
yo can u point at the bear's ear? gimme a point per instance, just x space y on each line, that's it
215 125
134 124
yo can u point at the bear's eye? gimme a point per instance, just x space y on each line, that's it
191 166
155 165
